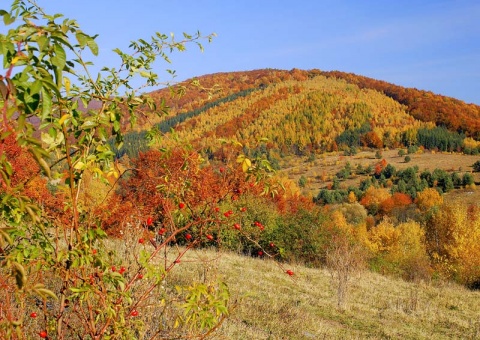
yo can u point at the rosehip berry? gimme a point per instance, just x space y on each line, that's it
134 312
139 276
243 209
188 237
259 225
217 209
237 226
272 245
114 269
260 253
290 272
33 315
122 270
162 231
141 240
177 261
222 170
181 205
43 334
210 237
149 221
94 251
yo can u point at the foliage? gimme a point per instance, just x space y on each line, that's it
476 166
302 181
439 138
423 105
453 235
56 262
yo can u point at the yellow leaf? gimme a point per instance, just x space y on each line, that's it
63 119
67 84
79 165
246 164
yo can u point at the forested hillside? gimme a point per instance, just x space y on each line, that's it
423 105
303 112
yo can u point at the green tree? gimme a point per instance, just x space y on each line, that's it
302 181
476 166
61 261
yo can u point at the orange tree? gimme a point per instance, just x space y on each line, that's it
60 277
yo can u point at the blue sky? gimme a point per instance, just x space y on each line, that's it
429 45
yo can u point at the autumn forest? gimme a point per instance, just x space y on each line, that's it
105 196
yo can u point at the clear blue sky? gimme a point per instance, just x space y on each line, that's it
430 45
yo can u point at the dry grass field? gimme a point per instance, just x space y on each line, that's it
321 171
272 305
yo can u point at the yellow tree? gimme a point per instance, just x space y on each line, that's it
428 198
453 241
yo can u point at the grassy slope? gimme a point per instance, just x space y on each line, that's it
332 163
272 305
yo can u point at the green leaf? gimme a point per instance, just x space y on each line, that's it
46 104
20 275
60 57
93 46
8 19
42 42
82 39
46 293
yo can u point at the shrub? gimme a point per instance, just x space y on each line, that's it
476 166
57 263
302 181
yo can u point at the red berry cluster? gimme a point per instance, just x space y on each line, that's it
259 225
121 270
228 213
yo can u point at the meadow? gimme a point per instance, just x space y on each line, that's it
272 305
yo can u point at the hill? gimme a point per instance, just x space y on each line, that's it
423 105
303 112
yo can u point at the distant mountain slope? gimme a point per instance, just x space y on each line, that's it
302 111
423 105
